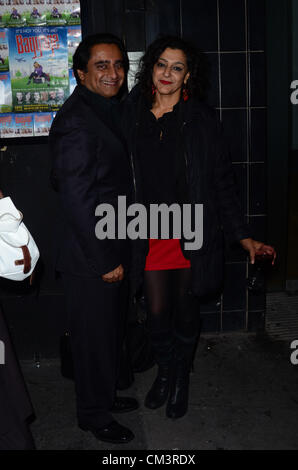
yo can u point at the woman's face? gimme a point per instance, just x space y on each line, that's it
170 72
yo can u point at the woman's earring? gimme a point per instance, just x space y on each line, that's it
185 94
153 90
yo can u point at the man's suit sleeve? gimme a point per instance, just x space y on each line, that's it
75 164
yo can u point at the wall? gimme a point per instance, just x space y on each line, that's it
278 19
294 70
292 248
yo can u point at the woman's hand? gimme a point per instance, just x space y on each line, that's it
257 248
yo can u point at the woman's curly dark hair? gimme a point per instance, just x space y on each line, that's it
196 62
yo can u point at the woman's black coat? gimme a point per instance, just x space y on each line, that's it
210 181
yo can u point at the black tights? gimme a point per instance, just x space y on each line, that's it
170 304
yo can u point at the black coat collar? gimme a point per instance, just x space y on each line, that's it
107 110
103 107
192 109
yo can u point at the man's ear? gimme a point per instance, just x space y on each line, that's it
81 75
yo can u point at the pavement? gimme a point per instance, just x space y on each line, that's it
243 396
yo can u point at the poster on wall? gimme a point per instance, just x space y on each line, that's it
37 41
74 37
6 126
23 125
72 81
42 123
20 13
134 64
38 68
5 93
4 51
66 13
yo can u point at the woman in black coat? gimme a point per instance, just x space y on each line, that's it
178 157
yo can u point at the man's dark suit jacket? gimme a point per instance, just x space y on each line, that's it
90 166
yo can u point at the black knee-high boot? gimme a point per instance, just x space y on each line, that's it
162 344
179 387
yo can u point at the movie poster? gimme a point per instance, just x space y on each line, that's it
5 93
2 20
134 65
12 13
4 51
38 68
74 37
37 41
6 126
72 81
21 13
34 15
42 123
23 125
65 13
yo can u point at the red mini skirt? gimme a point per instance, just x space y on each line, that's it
165 254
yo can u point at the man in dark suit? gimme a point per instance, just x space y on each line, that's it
90 167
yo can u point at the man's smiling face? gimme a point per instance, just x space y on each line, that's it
105 73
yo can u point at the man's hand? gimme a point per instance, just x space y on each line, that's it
254 247
116 275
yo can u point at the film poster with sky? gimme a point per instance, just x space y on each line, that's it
38 68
